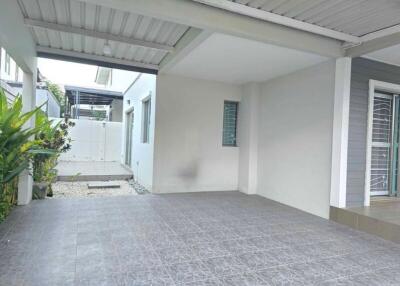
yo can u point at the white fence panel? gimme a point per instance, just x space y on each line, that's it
94 141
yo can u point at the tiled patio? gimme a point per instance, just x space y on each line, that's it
186 239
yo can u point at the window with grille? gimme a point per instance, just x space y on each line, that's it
146 107
230 123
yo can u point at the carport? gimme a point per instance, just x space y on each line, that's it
286 66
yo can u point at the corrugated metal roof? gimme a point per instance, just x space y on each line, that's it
101 19
354 17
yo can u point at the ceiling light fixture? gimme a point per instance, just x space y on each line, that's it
107 49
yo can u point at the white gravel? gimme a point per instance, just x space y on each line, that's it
80 189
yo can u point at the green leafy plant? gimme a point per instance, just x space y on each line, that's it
16 149
53 136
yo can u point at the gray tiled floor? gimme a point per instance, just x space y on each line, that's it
186 239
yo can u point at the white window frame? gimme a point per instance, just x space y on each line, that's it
7 63
374 87
146 125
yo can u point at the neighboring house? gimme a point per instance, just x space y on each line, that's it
11 78
114 79
44 97
9 70
94 104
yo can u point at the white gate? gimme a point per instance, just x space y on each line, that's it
94 141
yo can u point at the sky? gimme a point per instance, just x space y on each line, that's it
68 73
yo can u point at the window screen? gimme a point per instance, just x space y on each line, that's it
146 121
230 122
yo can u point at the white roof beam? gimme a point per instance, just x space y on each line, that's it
376 41
189 41
278 19
95 59
96 34
218 20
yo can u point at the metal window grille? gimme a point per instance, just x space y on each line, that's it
230 123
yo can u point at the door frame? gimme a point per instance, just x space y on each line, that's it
374 86
129 112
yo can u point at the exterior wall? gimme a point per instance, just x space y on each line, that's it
248 137
94 141
142 153
52 108
362 71
10 92
16 38
189 155
295 138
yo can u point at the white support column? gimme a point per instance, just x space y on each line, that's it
340 132
248 138
29 102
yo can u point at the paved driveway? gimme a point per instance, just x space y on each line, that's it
223 238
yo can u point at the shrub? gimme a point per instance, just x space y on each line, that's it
16 149
52 136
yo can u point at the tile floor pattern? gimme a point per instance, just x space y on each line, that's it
186 239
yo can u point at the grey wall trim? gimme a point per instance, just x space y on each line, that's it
362 71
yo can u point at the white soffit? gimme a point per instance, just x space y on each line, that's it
389 55
236 60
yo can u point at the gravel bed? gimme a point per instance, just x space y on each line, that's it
80 189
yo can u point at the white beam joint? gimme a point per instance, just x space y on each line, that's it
189 41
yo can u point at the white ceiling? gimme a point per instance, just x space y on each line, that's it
237 60
389 55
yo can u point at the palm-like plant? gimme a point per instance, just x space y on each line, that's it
16 148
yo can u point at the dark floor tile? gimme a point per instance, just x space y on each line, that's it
189 272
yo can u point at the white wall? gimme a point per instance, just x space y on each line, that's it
248 137
295 137
142 153
94 141
189 155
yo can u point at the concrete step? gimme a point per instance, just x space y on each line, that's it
100 177
104 185
69 171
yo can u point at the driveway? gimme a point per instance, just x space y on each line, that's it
221 238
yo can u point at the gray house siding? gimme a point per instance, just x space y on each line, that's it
362 71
